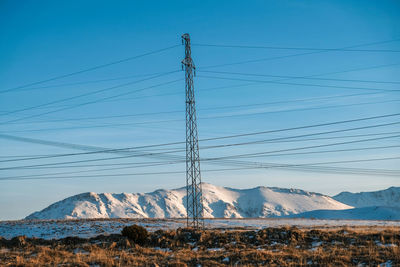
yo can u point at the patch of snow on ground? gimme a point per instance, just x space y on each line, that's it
316 244
385 245
163 249
80 251
386 264
90 228
215 249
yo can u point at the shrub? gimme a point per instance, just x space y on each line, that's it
136 233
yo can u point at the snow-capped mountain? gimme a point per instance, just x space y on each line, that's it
389 198
218 202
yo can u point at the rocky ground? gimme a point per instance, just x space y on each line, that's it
281 246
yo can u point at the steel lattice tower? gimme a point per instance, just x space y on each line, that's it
194 200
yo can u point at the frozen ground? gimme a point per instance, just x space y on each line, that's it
49 229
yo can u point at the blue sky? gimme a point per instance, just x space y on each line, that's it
44 39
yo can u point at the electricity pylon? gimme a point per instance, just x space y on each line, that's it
194 200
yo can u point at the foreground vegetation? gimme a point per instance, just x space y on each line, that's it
284 246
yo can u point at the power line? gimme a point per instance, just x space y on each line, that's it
301 127
302 84
314 165
112 150
277 139
325 169
274 140
181 161
298 109
117 150
300 48
221 157
287 56
294 55
230 87
348 161
201 118
94 126
89 102
301 77
181 150
332 151
95 165
90 69
103 175
235 63
310 168
88 82
282 166
233 86
74 146
104 169
88 94
221 72
256 154
150 154
331 137
297 77
207 108
216 138
101 150
144 154
85 148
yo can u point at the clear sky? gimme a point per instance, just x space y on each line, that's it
40 40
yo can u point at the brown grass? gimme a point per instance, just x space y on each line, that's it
284 246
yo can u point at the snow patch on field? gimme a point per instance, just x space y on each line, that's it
365 213
49 229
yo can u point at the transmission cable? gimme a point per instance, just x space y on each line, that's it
277 139
292 55
299 77
201 109
90 102
181 172
301 84
182 150
89 82
91 69
301 127
76 146
300 48
183 160
257 154
89 93
200 118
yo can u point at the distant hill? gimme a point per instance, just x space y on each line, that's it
218 202
389 198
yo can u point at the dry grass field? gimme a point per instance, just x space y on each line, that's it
282 246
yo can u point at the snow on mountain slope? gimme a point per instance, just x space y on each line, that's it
389 197
366 213
218 202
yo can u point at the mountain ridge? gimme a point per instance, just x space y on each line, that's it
219 202
389 197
